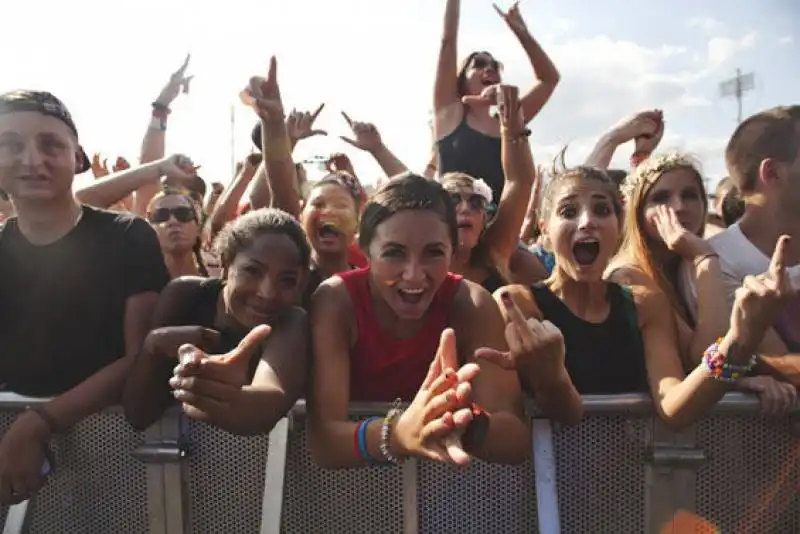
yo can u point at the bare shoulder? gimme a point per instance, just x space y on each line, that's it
629 275
332 296
652 305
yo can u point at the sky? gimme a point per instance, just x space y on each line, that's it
375 59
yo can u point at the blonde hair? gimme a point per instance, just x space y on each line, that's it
637 246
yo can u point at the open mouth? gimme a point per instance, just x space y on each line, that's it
411 296
586 251
328 232
465 225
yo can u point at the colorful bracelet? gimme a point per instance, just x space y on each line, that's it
720 369
386 431
362 439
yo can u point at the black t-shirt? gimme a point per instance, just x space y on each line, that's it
62 305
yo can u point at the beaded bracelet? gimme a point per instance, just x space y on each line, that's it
720 369
386 431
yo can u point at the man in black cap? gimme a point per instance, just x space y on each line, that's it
78 286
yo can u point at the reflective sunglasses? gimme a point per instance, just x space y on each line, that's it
474 201
182 214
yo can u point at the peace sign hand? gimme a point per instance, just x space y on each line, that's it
208 386
178 82
367 137
533 346
300 124
513 18
264 94
762 298
439 414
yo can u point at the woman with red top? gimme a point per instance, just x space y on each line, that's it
404 328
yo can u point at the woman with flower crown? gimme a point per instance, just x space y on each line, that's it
663 249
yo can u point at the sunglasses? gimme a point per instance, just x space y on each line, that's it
474 201
182 214
481 62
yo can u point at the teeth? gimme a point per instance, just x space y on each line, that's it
413 291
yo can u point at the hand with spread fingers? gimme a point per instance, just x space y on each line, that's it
762 298
365 135
432 425
513 17
776 397
300 124
534 347
676 237
99 166
178 82
264 95
209 386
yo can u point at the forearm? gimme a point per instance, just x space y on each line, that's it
112 189
100 390
389 163
279 166
508 440
711 300
603 151
785 367
147 393
228 202
333 443
256 411
556 396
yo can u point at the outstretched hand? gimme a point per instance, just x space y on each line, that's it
365 135
209 385
264 94
300 124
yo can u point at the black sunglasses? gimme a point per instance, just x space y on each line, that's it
474 201
481 62
182 214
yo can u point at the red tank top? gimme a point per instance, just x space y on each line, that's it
355 257
383 368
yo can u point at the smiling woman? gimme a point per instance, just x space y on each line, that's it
381 334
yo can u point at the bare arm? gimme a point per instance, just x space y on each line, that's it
478 323
446 100
112 189
230 198
545 73
330 430
278 382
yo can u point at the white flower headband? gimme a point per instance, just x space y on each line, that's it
652 168
479 187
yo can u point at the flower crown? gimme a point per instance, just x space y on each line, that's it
649 170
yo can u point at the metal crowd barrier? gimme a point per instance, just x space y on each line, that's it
621 470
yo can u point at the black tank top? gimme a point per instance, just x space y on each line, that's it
200 309
601 358
471 152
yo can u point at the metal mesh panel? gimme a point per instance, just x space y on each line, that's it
97 486
485 498
6 418
225 478
600 474
751 482
352 501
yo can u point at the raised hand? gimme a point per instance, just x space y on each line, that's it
513 18
177 170
533 346
365 135
209 385
646 127
300 124
99 169
776 397
506 98
676 237
178 82
264 94
121 164
432 425
762 298
340 162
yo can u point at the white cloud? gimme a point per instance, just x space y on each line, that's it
786 40
706 24
721 49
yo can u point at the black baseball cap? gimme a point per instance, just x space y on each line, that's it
46 104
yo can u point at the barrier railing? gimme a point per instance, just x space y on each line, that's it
620 470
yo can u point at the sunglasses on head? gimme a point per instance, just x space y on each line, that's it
474 201
481 62
182 214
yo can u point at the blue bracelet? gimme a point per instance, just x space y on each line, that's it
362 439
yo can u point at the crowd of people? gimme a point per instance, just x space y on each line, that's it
453 293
